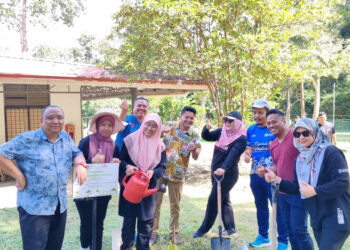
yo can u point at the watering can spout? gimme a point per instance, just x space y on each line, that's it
149 192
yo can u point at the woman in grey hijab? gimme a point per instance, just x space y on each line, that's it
322 179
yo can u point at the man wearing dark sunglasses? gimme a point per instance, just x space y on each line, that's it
284 153
258 141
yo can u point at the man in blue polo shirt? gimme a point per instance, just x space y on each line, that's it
258 141
133 121
43 161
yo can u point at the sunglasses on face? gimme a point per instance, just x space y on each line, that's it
229 121
305 133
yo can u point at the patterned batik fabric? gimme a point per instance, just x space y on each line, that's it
46 166
178 153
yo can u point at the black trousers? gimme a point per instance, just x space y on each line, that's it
212 207
330 239
144 232
84 207
42 232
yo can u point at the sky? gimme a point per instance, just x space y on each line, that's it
96 20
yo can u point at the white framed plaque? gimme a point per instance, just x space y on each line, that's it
102 179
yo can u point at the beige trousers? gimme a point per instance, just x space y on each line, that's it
174 191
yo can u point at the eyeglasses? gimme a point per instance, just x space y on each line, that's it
150 125
305 133
228 120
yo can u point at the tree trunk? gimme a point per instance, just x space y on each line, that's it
288 108
23 28
317 98
302 101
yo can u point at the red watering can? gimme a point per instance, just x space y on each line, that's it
137 187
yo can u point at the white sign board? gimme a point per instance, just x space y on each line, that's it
102 179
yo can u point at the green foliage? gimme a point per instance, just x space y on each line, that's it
243 50
39 11
90 107
169 108
89 51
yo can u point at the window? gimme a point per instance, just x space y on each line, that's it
23 105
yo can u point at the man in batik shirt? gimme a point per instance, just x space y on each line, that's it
181 142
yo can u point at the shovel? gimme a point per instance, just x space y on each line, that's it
274 191
220 243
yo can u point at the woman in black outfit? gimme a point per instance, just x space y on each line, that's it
322 178
142 150
97 148
230 143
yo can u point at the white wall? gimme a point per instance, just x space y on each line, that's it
68 98
2 116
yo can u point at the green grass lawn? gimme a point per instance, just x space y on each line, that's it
192 212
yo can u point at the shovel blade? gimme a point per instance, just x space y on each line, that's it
217 244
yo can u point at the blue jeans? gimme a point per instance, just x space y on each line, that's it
295 218
262 194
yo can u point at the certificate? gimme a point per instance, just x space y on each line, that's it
102 179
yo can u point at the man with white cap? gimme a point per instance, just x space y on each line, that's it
258 141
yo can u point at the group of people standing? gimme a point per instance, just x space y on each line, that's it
313 175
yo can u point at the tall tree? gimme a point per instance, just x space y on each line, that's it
16 14
236 47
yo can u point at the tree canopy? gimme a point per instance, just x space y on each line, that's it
17 14
242 49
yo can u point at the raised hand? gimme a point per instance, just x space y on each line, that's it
99 157
166 129
209 125
192 146
124 105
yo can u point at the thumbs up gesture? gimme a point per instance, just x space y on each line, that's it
99 157
209 125
124 105
306 189
192 146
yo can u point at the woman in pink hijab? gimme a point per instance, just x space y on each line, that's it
230 143
142 150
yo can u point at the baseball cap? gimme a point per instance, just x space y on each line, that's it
261 103
233 115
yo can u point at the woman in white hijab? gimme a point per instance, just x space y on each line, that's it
322 178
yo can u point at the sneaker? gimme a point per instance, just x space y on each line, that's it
230 232
260 242
153 239
282 246
175 239
198 234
